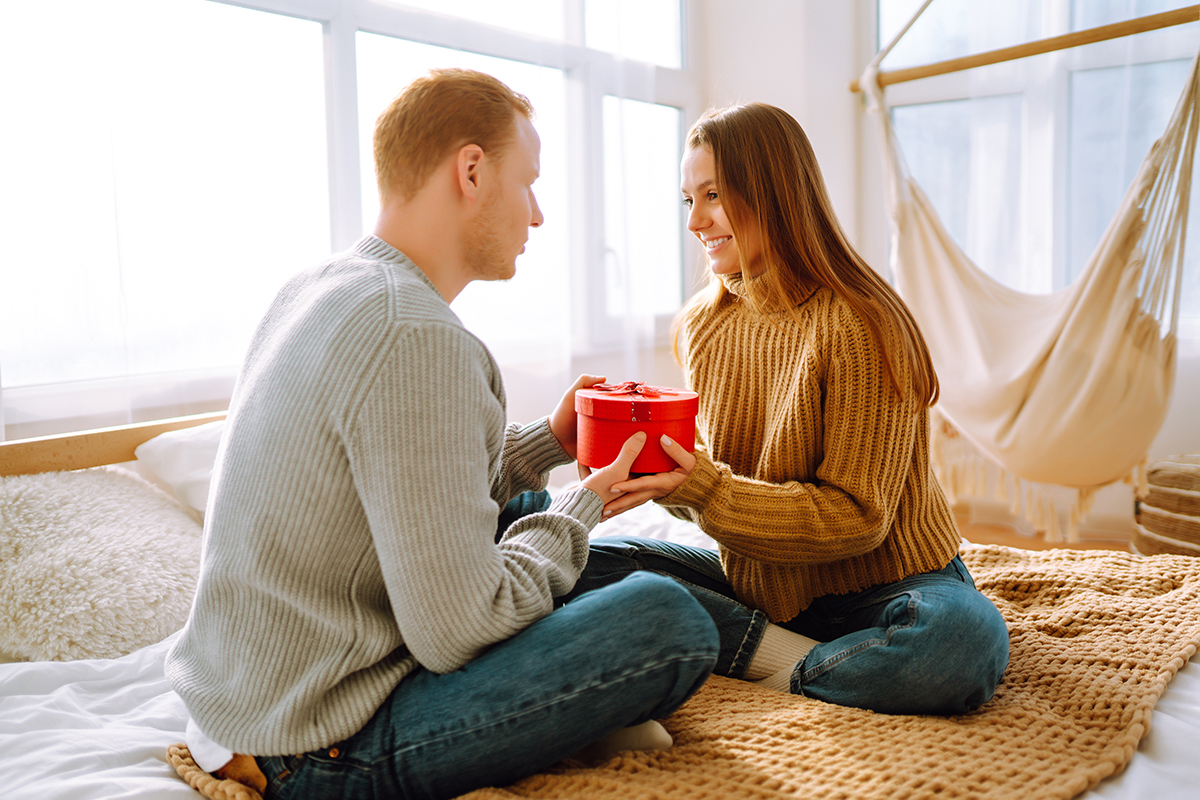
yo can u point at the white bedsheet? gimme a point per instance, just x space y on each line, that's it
90 730
98 730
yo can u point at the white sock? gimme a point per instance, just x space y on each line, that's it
779 651
649 735
781 681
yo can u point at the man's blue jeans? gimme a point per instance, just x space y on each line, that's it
928 644
631 651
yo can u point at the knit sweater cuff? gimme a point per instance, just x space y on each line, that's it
698 489
537 447
580 503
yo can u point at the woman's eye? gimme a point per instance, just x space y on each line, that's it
687 201
712 197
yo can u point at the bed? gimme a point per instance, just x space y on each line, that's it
96 582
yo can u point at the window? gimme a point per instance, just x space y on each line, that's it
643 30
385 65
1028 161
176 160
164 170
642 150
1115 115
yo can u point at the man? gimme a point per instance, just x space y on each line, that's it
360 629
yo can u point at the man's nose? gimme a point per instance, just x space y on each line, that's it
537 219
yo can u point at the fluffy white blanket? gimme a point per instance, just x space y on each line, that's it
93 564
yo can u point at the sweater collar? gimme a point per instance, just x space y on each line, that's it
736 283
376 249
738 286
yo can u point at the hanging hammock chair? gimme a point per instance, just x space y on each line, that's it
1068 388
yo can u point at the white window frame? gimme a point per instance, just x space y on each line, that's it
590 75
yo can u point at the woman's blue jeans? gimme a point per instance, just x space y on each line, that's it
928 644
631 651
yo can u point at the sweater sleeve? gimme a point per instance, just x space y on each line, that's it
425 449
530 452
847 509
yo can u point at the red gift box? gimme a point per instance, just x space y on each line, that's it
610 413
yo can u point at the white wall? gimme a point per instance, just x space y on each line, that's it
801 55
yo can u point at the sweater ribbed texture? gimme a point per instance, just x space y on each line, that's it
350 533
812 473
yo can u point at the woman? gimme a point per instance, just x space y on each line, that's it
838 576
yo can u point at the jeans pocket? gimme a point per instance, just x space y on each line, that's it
279 771
321 775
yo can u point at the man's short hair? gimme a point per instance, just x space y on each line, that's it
436 115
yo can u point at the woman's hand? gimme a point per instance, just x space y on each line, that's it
563 420
604 480
632 492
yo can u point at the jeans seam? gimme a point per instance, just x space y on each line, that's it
636 555
842 655
753 632
757 627
687 658
349 762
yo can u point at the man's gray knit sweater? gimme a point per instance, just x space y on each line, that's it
350 534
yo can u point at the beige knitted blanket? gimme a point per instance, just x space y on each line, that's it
1095 637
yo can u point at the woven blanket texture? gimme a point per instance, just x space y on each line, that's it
1095 637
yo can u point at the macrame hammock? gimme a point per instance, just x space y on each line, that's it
1068 388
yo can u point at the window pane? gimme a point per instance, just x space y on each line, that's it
953 28
1093 13
1116 115
966 155
644 30
169 174
535 17
643 215
515 314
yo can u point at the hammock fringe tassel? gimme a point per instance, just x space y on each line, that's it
964 472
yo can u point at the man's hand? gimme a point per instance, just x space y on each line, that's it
604 479
563 420
635 491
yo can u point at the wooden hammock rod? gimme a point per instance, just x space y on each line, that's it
1151 22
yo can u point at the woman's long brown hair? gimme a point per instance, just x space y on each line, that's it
767 177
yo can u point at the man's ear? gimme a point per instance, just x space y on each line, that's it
469 169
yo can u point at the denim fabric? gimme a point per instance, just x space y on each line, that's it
629 652
928 644
611 558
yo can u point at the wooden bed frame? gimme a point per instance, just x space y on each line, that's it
84 449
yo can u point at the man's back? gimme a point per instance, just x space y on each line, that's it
316 407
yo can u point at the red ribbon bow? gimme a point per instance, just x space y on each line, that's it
633 387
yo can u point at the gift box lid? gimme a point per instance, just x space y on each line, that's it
635 401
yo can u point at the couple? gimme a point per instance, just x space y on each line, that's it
365 627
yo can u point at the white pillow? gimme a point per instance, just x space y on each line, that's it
93 564
184 460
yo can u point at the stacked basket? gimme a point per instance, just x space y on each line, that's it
1168 517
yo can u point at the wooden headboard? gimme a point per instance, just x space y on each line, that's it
86 449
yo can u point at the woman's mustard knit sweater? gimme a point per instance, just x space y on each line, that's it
812 473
